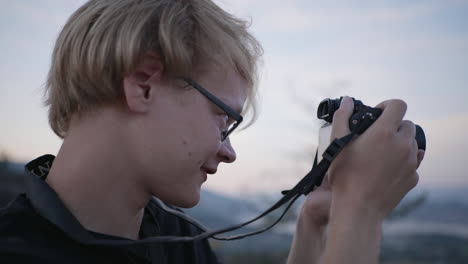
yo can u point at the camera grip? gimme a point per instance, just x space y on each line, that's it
372 114
420 138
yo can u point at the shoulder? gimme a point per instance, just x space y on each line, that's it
19 219
16 223
27 237
15 213
23 233
21 224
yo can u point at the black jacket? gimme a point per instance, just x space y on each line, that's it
36 227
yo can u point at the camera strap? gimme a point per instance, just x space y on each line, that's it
307 184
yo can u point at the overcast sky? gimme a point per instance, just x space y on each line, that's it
372 50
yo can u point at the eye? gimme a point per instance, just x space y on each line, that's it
224 133
224 124
224 118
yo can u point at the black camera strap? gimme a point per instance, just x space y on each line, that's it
306 185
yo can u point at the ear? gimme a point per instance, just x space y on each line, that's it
140 84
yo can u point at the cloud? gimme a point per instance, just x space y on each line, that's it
299 16
43 13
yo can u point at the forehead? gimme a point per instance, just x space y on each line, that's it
228 85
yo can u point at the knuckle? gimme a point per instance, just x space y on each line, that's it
408 143
399 104
340 115
341 112
386 133
407 146
408 123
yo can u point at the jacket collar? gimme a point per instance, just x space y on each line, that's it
47 203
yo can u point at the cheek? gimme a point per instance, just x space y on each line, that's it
200 147
204 134
189 152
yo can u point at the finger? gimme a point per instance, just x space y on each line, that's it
341 117
421 154
414 180
325 183
317 207
393 113
407 129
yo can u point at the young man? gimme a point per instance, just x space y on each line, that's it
145 95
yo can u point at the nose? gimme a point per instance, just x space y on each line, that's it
226 152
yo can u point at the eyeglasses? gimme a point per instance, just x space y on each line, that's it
233 115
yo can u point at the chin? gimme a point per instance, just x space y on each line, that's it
189 200
188 204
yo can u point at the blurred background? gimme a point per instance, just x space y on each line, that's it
372 50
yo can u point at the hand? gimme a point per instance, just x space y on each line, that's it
316 209
308 240
378 168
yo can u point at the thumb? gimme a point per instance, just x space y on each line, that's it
325 182
340 127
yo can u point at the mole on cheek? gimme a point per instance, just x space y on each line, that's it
190 154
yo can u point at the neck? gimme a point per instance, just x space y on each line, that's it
93 178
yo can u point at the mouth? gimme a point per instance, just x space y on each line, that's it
208 170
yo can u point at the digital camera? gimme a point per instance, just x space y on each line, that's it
327 109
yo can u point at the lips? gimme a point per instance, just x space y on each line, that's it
209 170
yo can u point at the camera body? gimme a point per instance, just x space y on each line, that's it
328 107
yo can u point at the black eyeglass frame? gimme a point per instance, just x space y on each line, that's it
227 109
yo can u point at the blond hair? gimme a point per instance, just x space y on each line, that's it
105 39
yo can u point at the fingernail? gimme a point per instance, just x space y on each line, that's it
345 101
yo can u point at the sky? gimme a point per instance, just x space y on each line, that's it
372 50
